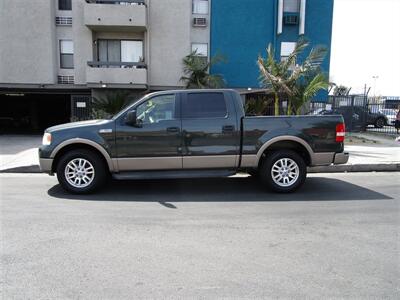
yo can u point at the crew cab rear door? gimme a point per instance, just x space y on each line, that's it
210 130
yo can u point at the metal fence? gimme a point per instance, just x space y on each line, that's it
81 107
361 113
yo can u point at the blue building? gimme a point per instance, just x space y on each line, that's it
241 30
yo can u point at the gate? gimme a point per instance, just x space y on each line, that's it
80 107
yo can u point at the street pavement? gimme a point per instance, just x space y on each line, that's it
337 237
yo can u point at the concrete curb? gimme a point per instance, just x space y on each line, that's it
387 167
23 169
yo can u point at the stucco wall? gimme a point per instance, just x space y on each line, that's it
241 30
27 42
169 40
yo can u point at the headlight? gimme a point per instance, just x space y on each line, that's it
46 139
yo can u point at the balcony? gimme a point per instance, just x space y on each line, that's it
116 74
110 15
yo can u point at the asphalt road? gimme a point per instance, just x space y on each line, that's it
337 237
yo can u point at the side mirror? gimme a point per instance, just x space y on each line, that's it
131 118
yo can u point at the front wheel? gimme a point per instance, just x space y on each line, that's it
81 171
283 171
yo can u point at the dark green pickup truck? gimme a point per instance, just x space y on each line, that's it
191 133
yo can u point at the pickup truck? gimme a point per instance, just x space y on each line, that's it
188 134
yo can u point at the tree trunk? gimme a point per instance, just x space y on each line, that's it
276 104
289 108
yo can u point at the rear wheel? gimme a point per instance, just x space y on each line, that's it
283 171
81 171
380 122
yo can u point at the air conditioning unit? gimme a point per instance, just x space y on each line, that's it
292 19
64 21
64 79
199 22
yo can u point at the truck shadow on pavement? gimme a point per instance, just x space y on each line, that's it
220 190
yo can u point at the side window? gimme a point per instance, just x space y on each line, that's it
204 105
156 109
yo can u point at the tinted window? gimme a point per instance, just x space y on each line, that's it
204 105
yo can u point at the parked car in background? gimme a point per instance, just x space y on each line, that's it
358 117
390 115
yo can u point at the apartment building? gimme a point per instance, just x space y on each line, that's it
241 30
56 54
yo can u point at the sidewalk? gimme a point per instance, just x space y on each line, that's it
18 154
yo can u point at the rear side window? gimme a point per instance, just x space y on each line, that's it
204 105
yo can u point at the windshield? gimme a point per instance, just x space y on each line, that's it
388 112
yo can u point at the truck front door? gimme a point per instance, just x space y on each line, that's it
210 131
155 142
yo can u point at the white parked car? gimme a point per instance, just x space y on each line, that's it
390 115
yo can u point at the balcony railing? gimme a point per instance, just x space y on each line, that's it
128 15
126 2
117 64
116 73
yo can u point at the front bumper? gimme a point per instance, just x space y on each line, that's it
46 165
341 158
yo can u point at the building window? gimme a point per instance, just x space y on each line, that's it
287 49
201 49
291 6
200 7
64 5
66 54
119 51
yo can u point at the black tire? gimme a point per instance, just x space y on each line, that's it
380 122
100 173
270 160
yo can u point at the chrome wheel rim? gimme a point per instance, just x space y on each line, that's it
79 172
285 172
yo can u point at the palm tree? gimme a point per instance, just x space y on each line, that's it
196 68
111 103
283 76
306 88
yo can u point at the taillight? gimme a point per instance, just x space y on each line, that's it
340 132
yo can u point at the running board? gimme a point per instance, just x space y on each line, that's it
176 174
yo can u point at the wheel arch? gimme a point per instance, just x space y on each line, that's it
287 143
79 143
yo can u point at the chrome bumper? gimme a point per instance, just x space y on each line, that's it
341 158
45 165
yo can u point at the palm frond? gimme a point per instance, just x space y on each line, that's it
319 82
196 75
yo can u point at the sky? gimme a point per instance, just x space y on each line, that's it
366 44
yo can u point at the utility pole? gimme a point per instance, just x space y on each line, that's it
375 77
